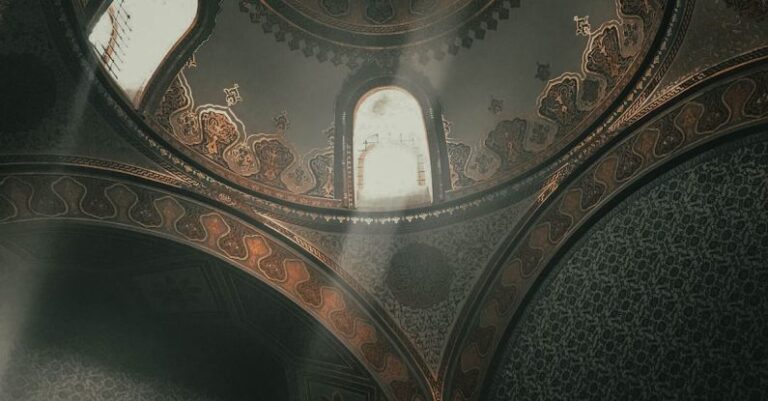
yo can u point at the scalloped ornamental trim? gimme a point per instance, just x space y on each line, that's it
312 45
107 165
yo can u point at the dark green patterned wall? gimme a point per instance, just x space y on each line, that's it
72 334
665 298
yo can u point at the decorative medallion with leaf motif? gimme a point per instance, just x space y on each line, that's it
352 32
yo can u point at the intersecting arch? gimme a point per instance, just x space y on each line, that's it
695 114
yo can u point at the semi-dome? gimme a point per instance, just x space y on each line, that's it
264 94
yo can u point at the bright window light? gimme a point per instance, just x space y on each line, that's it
391 153
133 37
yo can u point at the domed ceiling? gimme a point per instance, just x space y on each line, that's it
546 115
515 85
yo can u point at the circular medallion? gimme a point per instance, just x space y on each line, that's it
420 276
378 23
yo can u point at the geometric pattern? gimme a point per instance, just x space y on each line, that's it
664 298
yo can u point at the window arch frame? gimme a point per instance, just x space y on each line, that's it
368 79
185 46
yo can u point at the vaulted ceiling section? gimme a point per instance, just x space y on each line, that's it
599 176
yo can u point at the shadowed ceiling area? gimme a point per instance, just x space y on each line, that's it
87 316
76 326
80 343
383 200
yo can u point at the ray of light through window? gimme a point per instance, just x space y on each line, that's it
133 37
391 153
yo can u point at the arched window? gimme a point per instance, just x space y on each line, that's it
132 37
390 151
